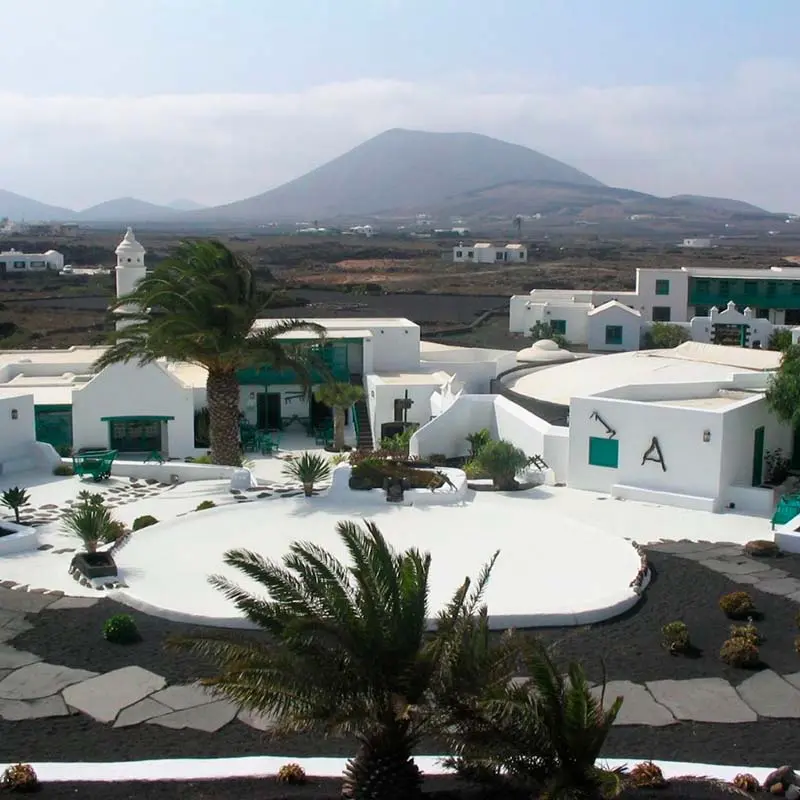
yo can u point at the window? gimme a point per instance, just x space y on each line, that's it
762 313
521 256
459 253
603 452
751 287
19 265
499 256
471 254
771 288
662 287
701 311
702 286
37 265
613 334
795 288
661 313
558 326
725 289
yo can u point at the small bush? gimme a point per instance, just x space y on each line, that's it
64 450
647 775
121 629
746 782
762 548
437 459
776 467
474 471
737 605
63 470
292 773
740 652
676 637
749 632
145 521
15 500
20 778
478 440
205 505
204 459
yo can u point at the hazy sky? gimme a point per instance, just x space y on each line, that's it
216 100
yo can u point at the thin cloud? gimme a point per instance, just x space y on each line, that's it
736 139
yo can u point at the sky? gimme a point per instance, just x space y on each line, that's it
216 100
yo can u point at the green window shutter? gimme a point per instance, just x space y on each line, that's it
558 326
662 287
603 452
613 334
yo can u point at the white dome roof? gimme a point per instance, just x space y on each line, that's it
542 351
129 245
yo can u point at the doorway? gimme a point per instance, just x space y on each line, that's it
268 411
320 413
758 456
136 435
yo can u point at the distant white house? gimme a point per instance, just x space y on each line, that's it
488 253
698 243
12 261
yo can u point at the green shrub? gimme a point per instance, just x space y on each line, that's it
63 470
474 471
19 778
544 330
121 629
373 472
676 637
737 605
398 444
205 505
64 450
437 459
15 499
308 470
145 521
780 339
748 632
292 773
663 335
204 459
502 461
647 775
740 652
478 440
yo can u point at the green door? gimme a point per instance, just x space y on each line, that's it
54 426
758 456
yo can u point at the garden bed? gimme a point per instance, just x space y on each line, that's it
443 788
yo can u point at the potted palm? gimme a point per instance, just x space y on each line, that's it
349 651
308 470
91 521
338 397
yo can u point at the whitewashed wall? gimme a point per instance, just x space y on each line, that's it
130 390
394 348
525 311
446 434
381 397
677 300
631 330
17 436
473 367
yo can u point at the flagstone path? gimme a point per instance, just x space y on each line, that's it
31 688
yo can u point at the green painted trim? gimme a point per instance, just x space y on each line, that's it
136 418
47 408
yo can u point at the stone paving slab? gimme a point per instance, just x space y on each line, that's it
261 722
26 602
11 658
71 603
736 566
780 586
702 700
794 679
209 718
15 710
106 695
716 553
638 707
40 680
769 695
180 697
682 548
8 617
140 712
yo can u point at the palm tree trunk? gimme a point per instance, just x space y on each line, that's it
338 428
222 398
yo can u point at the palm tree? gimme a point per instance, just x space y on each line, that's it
349 652
93 523
541 735
308 470
339 397
199 306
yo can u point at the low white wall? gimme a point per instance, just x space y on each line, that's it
447 433
22 540
163 472
446 495
756 500
665 498
787 536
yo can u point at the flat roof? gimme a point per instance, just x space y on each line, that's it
42 395
344 323
773 273
414 378
589 376
720 399
71 355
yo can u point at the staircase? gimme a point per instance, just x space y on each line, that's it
361 419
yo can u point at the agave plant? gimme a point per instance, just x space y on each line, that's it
308 469
14 499
93 523
349 651
502 461
541 736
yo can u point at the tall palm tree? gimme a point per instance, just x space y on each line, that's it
339 397
199 306
349 652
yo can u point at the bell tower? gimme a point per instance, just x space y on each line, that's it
129 271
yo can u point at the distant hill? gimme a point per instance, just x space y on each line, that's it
720 203
182 204
18 208
126 209
401 168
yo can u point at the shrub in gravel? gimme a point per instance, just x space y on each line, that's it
740 652
746 782
747 631
292 773
63 470
675 637
206 504
737 605
646 775
121 629
145 521
762 548
20 778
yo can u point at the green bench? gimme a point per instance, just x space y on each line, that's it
95 463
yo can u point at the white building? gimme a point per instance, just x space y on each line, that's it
688 427
697 243
129 271
667 295
488 253
12 261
